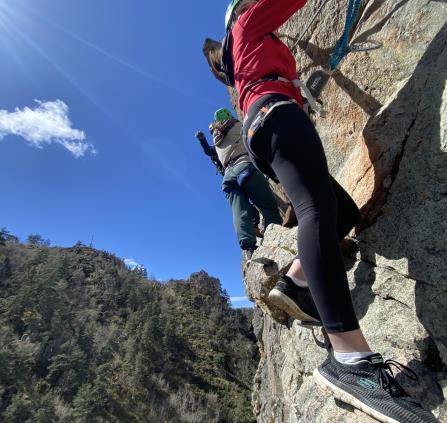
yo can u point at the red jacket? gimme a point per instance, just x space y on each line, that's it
257 54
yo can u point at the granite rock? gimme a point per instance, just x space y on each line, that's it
385 137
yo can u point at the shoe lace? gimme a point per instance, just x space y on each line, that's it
388 381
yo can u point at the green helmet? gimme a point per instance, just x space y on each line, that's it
222 114
229 14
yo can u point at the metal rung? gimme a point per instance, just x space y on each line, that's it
365 46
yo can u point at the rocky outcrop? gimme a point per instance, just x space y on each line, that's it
385 137
386 301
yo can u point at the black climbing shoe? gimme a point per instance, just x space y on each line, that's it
297 302
369 385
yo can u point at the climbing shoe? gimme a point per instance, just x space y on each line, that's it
369 385
297 302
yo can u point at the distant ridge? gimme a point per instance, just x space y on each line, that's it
85 339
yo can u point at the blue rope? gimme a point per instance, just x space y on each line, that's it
342 48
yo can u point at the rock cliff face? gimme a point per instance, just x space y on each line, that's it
385 137
403 318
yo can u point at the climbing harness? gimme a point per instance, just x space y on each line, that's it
227 70
318 80
297 83
219 168
233 161
263 114
253 123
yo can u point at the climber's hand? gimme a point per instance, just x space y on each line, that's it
200 135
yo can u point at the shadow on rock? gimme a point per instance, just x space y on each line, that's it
405 217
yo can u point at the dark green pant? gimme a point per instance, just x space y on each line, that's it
255 188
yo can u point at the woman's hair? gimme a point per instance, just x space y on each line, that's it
213 50
213 54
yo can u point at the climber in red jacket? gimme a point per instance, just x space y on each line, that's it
284 144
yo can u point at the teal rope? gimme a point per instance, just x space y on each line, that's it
342 48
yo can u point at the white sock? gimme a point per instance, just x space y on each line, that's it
350 357
298 282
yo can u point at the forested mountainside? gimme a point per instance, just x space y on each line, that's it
85 339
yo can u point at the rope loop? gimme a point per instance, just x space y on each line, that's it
342 48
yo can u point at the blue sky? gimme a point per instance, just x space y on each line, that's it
98 108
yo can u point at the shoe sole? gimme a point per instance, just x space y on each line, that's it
350 399
284 303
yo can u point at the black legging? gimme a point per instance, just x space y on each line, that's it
290 145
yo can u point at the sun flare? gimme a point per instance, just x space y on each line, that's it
3 14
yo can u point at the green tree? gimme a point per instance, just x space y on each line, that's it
89 403
85 339
6 236
36 240
20 409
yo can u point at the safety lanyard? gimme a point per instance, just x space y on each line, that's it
342 49
318 80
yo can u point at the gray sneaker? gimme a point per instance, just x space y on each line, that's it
369 385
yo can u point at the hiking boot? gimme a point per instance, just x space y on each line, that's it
297 302
369 385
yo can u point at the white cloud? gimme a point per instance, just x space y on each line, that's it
47 123
131 263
